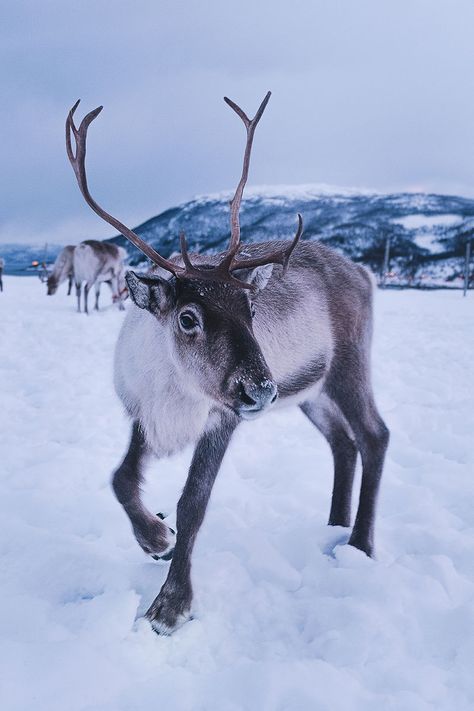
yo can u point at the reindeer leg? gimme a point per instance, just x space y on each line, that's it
172 606
152 535
69 289
353 394
328 418
115 286
97 294
78 294
87 286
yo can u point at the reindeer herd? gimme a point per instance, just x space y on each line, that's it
89 265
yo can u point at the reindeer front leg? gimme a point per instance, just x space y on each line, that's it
173 605
152 535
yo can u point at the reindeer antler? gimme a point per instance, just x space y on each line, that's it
78 164
230 262
250 126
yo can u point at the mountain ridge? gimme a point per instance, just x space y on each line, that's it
427 231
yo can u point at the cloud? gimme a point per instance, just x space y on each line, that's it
69 231
364 94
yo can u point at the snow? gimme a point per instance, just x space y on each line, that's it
308 191
414 222
286 618
425 238
430 242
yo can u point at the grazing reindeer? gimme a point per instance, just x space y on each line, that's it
2 267
63 269
212 341
95 262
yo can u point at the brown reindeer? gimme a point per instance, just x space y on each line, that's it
216 339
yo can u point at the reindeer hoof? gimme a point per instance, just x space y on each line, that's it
170 610
164 629
169 553
155 538
362 543
162 517
167 557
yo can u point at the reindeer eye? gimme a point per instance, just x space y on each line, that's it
187 321
252 310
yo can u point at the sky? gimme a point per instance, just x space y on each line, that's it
365 94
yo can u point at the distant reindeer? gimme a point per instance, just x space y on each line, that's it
214 340
95 262
2 267
63 269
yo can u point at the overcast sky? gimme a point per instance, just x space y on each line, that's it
366 93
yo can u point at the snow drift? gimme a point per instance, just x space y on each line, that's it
287 618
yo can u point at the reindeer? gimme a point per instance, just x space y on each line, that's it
95 262
63 269
213 340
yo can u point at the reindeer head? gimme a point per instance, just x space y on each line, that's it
209 336
52 284
205 308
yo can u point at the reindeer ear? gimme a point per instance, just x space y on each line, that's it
151 293
257 277
139 291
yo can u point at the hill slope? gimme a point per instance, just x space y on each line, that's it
427 232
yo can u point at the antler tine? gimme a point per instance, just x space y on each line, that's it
77 161
296 239
70 126
250 125
183 243
281 256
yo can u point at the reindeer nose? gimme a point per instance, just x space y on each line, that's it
255 397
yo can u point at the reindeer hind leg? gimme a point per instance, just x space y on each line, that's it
353 394
87 287
78 295
328 418
97 294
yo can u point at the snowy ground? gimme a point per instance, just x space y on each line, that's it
285 618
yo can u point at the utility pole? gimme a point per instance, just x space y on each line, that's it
386 260
466 266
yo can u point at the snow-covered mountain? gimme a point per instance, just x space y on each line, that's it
427 232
